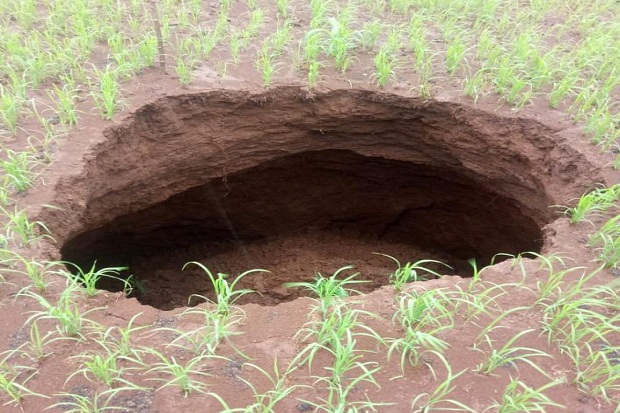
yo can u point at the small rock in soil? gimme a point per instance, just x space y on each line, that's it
304 407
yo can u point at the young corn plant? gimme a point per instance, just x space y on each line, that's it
12 387
329 291
11 105
265 63
266 402
279 39
314 75
119 340
370 33
510 355
34 270
89 280
99 402
579 312
70 320
518 397
598 371
428 309
422 316
12 381
206 339
105 92
236 45
103 368
551 288
18 169
226 294
411 272
609 253
19 228
413 346
184 69
65 102
187 377
455 54
607 242
476 85
35 347
341 41
329 331
346 372
593 203
385 60
339 399
564 85
438 401
257 19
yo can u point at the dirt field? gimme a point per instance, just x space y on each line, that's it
292 185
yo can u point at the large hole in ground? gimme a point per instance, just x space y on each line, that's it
296 187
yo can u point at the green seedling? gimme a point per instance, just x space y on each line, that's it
257 19
329 290
519 397
411 272
509 355
12 382
35 347
187 377
206 339
598 370
119 339
100 368
340 42
18 169
103 367
226 294
438 401
91 278
100 402
65 102
184 71
346 372
413 346
105 92
606 240
19 228
609 253
551 288
329 331
370 33
417 311
11 105
266 402
455 54
71 321
36 271
314 73
593 203
265 63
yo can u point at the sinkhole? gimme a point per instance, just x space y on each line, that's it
298 184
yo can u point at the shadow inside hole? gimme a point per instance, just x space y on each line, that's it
303 213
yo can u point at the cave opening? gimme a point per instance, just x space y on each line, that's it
302 213
298 183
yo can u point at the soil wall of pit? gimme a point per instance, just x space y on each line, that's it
180 142
440 175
